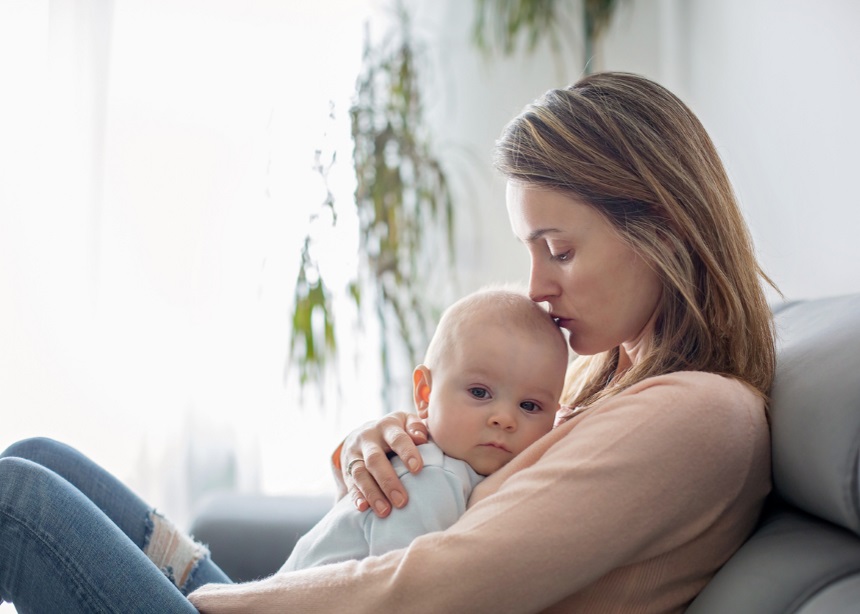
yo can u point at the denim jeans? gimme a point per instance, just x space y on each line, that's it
72 538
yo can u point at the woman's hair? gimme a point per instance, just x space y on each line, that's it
638 155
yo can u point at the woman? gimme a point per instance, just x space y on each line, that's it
656 472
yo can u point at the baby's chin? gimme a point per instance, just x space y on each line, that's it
485 468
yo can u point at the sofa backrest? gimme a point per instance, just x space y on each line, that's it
816 409
806 551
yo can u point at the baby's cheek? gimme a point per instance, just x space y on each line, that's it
442 435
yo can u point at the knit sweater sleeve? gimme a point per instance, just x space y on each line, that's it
642 475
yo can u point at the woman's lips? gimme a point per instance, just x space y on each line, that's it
561 321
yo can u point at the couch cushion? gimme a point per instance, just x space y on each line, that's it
786 565
840 597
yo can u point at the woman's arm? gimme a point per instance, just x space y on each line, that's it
373 479
658 486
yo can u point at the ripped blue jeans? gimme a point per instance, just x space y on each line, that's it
73 538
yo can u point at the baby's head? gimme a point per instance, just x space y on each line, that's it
492 378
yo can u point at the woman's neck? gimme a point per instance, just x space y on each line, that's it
630 353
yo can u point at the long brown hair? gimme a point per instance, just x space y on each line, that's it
639 156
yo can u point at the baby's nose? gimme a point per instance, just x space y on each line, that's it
503 420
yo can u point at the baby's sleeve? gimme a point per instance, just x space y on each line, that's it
436 500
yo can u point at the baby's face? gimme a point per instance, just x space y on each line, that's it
494 394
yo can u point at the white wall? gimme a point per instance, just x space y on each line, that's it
774 81
777 84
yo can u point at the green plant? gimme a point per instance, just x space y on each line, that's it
404 207
312 344
596 15
500 24
402 197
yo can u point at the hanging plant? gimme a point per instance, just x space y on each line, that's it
404 209
402 199
501 24
312 336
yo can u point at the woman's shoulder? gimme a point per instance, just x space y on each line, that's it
689 423
701 389
714 405
694 401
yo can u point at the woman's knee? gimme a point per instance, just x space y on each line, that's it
20 479
32 448
8 468
12 467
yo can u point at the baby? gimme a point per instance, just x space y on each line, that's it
489 387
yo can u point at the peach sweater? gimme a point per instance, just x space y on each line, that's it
630 506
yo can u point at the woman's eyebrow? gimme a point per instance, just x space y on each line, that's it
537 234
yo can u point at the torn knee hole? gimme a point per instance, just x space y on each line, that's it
173 552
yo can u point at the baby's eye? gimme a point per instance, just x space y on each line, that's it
530 406
479 393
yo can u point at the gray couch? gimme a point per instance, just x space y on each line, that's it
250 536
804 557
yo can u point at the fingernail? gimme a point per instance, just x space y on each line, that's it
380 506
359 503
397 498
413 464
420 434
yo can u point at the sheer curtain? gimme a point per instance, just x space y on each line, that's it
156 177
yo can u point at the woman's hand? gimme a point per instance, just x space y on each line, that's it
366 470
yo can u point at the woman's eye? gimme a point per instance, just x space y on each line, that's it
479 393
530 406
562 257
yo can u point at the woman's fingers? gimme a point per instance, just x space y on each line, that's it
377 482
402 438
360 447
418 431
367 470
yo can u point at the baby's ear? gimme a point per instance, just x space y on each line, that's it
421 390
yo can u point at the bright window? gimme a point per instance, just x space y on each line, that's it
158 178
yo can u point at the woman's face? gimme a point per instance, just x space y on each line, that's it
597 286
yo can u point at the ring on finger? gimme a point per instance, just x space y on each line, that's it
351 463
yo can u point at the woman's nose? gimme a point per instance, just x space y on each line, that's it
541 286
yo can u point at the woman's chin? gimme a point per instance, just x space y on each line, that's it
582 347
